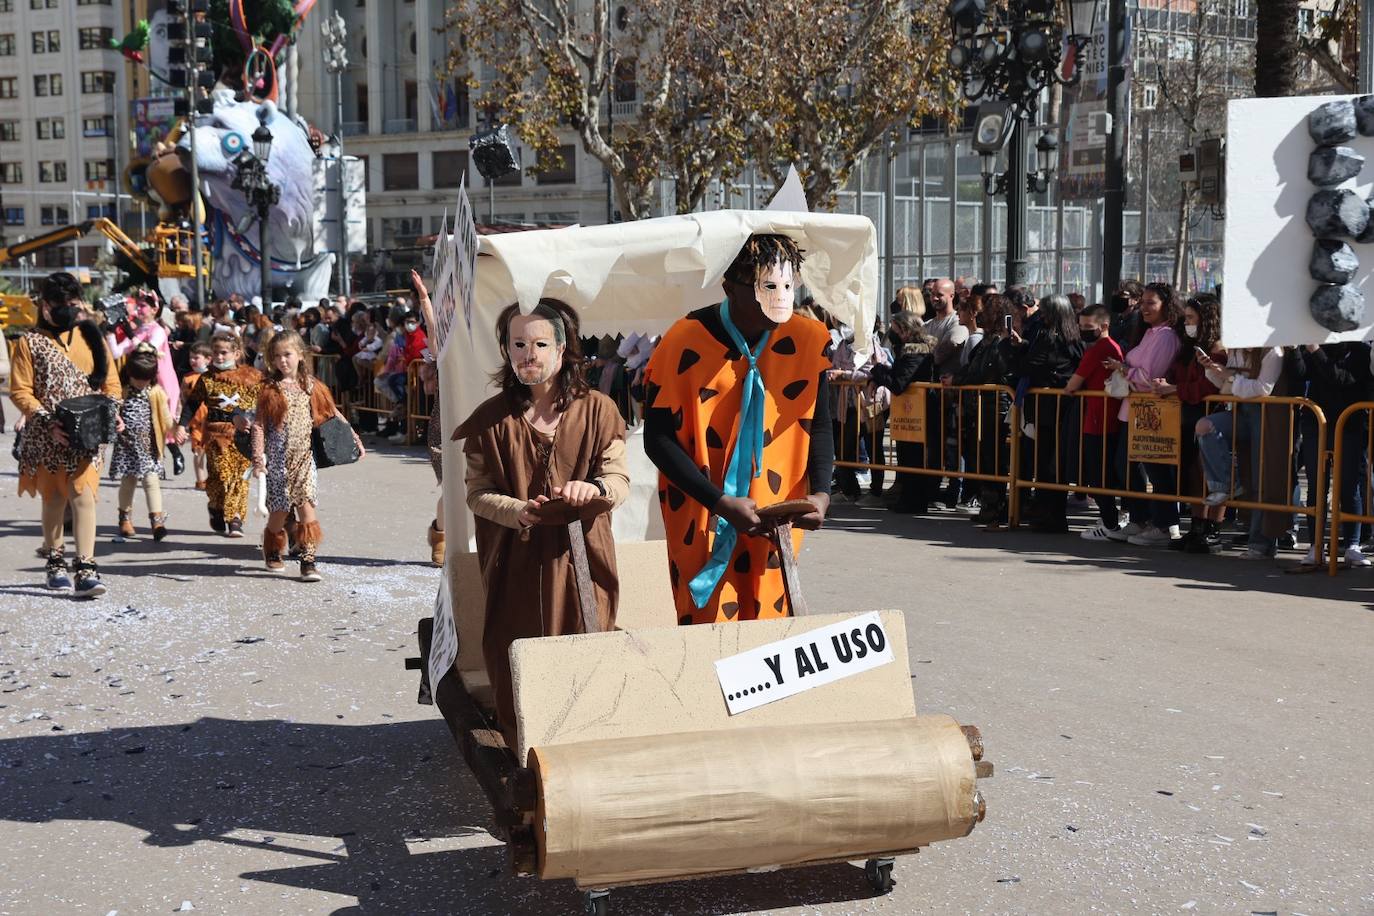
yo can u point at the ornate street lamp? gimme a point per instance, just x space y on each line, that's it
335 33
1005 60
262 195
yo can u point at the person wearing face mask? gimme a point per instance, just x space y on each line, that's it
409 346
62 358
1125 308
141 328
545 436
737 416
229 393
1100 423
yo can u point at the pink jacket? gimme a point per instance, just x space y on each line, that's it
155 335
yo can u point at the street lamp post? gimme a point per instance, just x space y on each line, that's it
262 195
336 61
1005 61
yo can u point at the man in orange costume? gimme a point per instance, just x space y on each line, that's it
736 418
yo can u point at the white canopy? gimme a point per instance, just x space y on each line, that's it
638 276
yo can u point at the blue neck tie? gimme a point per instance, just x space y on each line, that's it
746 461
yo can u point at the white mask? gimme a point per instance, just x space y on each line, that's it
226 365
776 293
535 354
1190 330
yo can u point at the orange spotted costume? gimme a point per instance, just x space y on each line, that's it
698 379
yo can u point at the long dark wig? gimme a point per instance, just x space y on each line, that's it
571 378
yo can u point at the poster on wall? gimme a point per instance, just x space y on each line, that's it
1083 150
1299 244
154 120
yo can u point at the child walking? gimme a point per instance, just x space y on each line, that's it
199 361
228 392
136 457
291 404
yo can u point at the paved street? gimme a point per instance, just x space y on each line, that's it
1171 733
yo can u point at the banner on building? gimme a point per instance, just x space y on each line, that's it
1155 429
1083 148
153 120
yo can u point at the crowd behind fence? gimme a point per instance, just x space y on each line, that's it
980 433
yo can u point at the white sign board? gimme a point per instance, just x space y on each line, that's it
1266 286
441 292
443 646
464 255
799 663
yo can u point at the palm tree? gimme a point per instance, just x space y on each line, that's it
1276 48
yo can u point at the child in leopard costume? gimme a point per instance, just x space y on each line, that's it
137 454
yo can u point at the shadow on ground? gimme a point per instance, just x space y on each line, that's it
384 791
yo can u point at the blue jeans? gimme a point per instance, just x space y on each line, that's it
1218 458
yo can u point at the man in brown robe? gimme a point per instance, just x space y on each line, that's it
544 437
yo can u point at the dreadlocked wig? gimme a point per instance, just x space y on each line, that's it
759 254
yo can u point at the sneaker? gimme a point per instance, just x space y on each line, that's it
1125 532
1311 559
1204 543
969 506
235 529
1355 558
865 478
1151 537
398 439
216 521
1256 553
1216 498
57 574
88 584
871 501
1098 532
308 571
1288 540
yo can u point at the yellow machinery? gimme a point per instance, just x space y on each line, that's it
166 252
17 312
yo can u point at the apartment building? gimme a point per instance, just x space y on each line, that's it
411 124
62 112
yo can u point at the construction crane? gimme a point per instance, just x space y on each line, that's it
165 253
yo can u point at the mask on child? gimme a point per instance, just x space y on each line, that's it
411 326
1090 336
226 365
1190 330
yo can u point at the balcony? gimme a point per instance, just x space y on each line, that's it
354 128
625 110
399 126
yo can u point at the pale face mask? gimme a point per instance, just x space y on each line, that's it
775 291
535 353
1190 330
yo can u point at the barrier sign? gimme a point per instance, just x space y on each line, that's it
907 420
799 663
1155 429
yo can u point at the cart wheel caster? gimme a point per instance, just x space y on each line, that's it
596 903
879 875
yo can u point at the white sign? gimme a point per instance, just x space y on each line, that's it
464 254
443 646
1266 284
799 663
441 293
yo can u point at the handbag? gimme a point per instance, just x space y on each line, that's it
1117 386
88 420
333 444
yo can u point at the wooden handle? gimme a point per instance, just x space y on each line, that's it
586 592
791 580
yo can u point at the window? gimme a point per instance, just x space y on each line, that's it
51 129
94 2
7 45
99 169
95 38
97 81
562 174
11 173
360 100
52 172
47 84
48 42
400 171
626 80
102 126
6 6
9 87
449 167
14 216
55 216
95 211
1242 9
9 130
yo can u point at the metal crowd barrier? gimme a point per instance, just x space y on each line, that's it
1338 515
419 405
980 410
946 419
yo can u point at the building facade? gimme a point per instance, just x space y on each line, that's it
62 117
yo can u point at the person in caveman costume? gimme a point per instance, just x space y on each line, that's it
737 417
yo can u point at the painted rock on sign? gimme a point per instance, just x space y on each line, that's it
1364 115
1337 214
1328 166
1333 123
1333 261
1338 308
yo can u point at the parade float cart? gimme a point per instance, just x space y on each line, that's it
657 752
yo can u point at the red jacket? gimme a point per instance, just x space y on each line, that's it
415 345
1191 379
